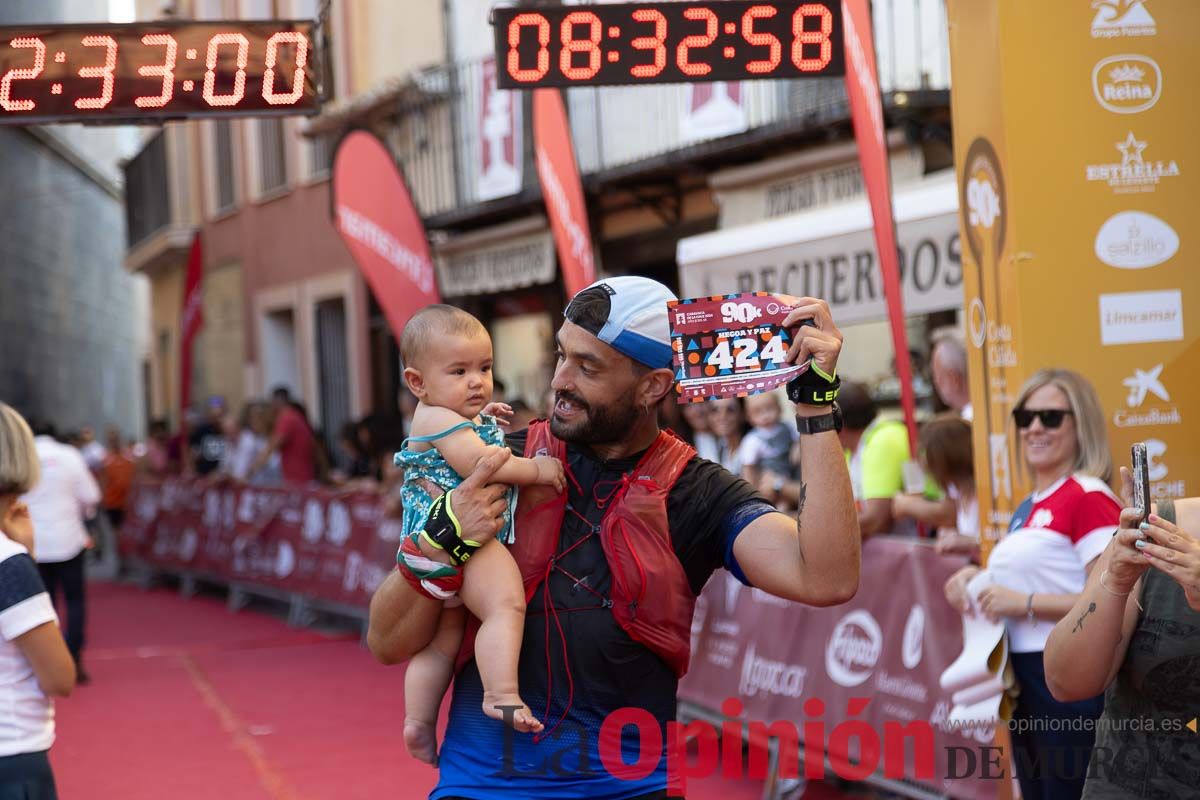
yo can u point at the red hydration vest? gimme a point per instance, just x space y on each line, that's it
650 596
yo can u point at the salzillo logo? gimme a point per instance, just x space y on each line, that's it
1135 240
1121 18
853 649
770 677
1127 84
1134 173
1141 385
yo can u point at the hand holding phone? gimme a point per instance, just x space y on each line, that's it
1141 480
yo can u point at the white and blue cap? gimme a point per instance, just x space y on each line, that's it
636 320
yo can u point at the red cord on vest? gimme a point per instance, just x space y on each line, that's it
620 526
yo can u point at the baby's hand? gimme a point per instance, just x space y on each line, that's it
550 472
501 411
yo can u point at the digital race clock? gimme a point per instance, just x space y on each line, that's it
156 70
668 42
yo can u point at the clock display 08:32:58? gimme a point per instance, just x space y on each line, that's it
158 70
671 42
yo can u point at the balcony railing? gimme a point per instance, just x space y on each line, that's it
159 216
147 197
441 132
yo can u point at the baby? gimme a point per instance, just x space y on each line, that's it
447 357
766 447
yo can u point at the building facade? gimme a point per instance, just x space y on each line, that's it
71 339
283 303
663 167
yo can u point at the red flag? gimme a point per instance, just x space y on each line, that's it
193 321
562 190
374 213
866 110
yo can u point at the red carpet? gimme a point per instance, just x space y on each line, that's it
190 702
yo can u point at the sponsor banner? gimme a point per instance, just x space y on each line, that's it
1079 242
191 321
333 547
866 112
890 644
562 190
712 110
374 213
500 152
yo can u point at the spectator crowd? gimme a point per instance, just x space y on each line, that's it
1065 587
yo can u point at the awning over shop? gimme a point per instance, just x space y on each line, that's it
830 253
496 259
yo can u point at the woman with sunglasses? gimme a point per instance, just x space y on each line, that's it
1037 571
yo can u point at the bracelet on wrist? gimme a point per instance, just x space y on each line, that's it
1104 585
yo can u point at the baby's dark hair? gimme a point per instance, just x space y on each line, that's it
430 322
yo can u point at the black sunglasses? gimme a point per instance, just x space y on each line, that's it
1051 417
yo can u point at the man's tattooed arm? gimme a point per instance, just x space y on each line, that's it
800 515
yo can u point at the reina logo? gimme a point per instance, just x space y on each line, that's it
1142 385
1116 18
1135 240
1134 173
1127 84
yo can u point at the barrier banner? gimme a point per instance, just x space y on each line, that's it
374 212
325 545
875 660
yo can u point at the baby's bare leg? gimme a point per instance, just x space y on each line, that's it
425 682
492 590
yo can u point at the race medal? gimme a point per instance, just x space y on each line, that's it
730 346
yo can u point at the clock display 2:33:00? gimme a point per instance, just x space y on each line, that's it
155 69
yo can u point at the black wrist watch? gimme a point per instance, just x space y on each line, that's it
826 422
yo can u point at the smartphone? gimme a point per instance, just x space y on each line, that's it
1141 481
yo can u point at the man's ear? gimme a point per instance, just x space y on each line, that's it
654 386
414 382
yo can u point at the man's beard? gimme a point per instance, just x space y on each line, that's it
601 424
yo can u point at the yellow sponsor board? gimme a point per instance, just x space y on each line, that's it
1079 180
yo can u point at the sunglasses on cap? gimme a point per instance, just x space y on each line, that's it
1051 417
